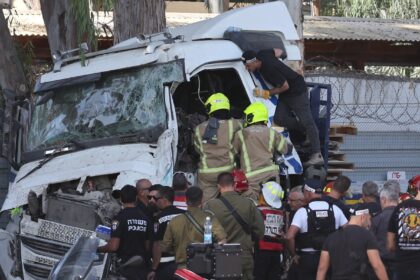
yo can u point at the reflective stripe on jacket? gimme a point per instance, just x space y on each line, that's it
216 158
256 145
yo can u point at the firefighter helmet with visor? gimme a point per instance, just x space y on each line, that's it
217 101
255 113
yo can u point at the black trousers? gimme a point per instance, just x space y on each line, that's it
134 272
267 265
166 271
292 274
308 265
303 121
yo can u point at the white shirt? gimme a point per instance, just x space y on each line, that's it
300 219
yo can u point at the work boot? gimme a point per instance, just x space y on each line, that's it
316 159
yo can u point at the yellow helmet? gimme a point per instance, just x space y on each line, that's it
256 112
217 101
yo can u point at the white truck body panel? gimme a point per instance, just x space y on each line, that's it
272 16
131 161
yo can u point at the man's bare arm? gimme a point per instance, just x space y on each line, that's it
324 263
290 239
157 254
377 264
277 90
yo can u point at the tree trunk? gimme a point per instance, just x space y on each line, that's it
316 8
60 23
135 17
12 76
218 6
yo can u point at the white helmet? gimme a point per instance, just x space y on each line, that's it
273 194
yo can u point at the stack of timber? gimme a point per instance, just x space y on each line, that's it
337 159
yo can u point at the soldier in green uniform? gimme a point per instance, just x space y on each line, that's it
240 218
183 230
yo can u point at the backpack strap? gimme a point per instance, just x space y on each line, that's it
194 222
235 214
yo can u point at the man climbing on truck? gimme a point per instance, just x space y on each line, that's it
292 96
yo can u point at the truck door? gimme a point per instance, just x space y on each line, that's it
172 122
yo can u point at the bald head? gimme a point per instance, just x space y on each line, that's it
143 186
143 183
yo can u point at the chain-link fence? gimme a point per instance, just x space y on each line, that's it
372 102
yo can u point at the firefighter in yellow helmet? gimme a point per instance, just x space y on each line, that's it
256 145
213 142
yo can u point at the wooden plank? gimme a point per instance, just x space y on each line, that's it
332 130
340 164
343 129
339 170
337 138
336 152
336 155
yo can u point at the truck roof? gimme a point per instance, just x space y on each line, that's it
273 16
198 44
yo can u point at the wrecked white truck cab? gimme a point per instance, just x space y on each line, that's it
125 114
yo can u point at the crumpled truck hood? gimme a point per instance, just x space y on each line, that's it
131 161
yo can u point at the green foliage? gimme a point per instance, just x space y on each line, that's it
84 15
408 72
387 9
84 18
392 9
103 5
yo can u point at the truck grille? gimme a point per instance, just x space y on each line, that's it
37 271
43 247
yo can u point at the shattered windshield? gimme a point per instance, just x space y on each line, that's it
119 103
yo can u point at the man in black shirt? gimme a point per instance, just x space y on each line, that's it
143 188
349 250
292 96
389 200
370 197
130 234
404 237
338 191
164 265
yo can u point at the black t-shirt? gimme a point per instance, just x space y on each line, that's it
133 228
374 208
347 248
146 210
162 220
340 204
405 223
276 73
